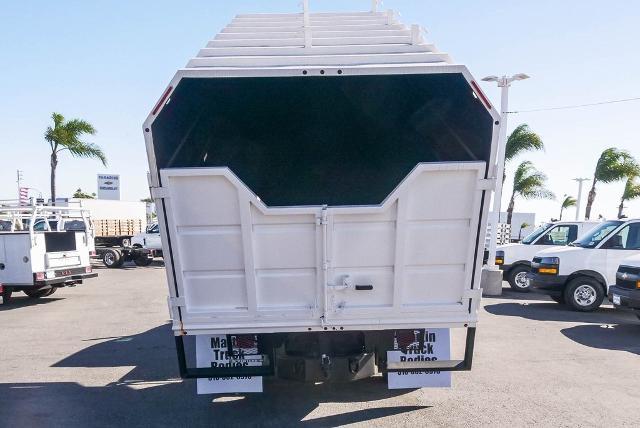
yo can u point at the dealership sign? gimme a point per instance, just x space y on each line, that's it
108 186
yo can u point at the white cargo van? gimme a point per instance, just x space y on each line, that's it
580 274
322 183
515 259
38 254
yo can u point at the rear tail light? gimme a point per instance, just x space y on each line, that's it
1 289
92 253
39 276
88 269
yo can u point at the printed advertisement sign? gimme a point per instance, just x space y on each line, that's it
436 345
109 186
212 351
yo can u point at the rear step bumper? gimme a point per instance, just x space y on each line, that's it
268 369
66 279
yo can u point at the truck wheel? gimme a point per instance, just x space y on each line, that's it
112 258
51 291
6 295
143 260
40 292
584 294
518 279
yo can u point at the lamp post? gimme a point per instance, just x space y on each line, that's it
579 198
504 83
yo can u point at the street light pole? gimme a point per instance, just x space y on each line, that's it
579 198
504 83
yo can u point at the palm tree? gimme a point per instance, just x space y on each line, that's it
568 201
65 135
528 183
631 191
613 165
522 139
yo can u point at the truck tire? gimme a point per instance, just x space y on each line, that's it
6 295
112 258
40 292
584 294
143 260
517 279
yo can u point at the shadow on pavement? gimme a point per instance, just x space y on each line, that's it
20 300
509 294
621 337
152 394
552 311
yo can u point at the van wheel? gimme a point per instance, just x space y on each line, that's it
40 292
112 258
518 279
584 294
143 260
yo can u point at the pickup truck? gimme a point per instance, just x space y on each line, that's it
580 274
149 239
626 292
515 259
42 249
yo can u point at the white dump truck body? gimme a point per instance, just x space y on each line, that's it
294 193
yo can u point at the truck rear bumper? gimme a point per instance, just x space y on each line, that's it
61 281
347 367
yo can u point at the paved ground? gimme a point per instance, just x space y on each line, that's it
102 355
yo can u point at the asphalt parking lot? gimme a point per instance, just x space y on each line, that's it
102 354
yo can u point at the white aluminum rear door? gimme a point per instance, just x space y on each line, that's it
242 266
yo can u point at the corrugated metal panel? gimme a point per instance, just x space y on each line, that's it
329 39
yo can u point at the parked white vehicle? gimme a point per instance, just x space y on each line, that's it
626 293
149 239
515 259
38 254
579 275
322 183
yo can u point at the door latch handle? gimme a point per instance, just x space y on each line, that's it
364 287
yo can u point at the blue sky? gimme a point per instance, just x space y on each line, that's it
108 62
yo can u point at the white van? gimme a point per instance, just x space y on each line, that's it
579 274
626 293
515 259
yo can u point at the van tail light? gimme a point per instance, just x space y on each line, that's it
39 276
88 269
92 253
1 288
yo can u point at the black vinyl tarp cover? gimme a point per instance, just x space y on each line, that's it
315 140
